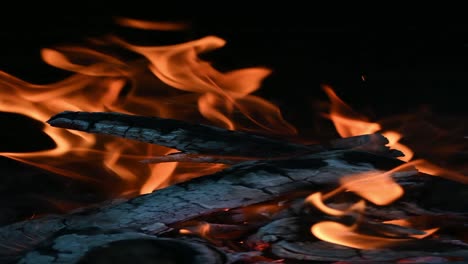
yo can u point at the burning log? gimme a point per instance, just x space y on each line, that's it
279 172
241 185
190 138
212 142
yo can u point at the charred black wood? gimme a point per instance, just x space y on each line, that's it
184 136
374 143
122 247
204 139
241 185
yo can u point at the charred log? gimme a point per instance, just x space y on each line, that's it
187 137
241 185
123 247
263 170
203 139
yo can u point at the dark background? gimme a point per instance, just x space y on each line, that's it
378 68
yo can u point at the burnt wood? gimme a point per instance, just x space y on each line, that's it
263 170
184 136
211 141
241 185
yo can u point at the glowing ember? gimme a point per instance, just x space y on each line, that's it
202 230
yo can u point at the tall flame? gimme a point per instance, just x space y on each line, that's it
167 81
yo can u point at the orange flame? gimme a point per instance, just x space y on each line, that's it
175 84
180 67
337 233
426 167
202 230
370 185
349 123
376 187
150 25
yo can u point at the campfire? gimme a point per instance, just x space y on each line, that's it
151 153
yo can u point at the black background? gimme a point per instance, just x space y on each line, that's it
406 66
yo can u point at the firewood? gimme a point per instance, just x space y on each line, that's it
184 136
124 247
289 238
204 139
264 169
241 185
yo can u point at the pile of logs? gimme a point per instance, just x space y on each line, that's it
209 219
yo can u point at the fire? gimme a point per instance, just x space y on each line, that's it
349 123
370 186
174 81
168 81
202 229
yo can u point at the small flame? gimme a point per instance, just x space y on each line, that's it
431 169
337 233
150 25
350 123
202 230
347 122
406 223
393 138
368 185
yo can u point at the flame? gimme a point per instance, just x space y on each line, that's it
337 233
393 138
350 123
347 122
168 81
202 230
429 168
150 25
405 222
180 67
370 186
257 213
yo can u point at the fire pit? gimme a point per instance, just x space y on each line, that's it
153 154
